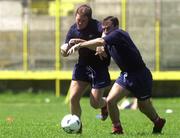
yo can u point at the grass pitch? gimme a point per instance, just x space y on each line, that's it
27 115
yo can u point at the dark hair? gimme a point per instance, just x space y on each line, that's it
113 19
84 10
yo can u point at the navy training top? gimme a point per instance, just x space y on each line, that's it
123 51
87 56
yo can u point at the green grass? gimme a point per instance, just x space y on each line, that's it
30 116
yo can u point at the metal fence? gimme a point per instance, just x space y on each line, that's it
31 32
139 19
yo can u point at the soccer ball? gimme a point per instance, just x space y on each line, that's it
71 123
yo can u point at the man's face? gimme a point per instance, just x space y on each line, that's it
81 21
107 27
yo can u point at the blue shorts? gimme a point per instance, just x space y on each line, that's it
139 83
98 77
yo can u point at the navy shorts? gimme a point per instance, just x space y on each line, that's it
98 77
139 83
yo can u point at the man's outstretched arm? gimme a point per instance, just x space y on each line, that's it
91 44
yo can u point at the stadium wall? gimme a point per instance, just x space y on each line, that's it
31 33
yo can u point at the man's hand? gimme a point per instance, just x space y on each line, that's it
73 49
101 52
64 49
74 41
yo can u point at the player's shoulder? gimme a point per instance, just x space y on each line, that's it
73 30
122 32
95 22
119 32
95 25
73 27
114 33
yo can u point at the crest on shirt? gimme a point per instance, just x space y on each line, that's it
90 36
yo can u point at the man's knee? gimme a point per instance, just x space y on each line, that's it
110 101
95 104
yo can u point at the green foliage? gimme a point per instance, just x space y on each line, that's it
27 115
